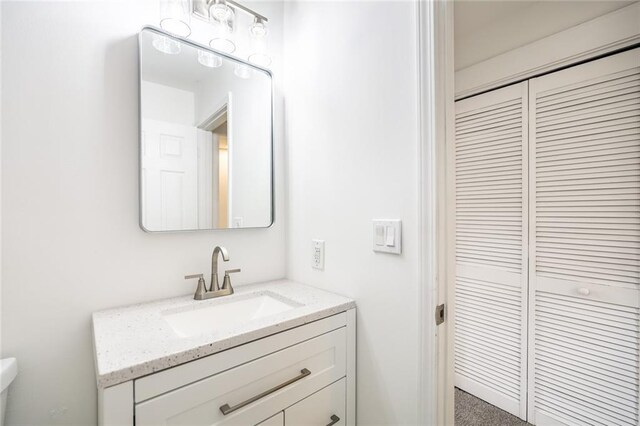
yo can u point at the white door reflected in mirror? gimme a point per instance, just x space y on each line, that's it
205 140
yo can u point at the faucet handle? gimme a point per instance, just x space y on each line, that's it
202 287
226 283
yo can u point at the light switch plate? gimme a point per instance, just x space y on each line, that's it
391 238
317 254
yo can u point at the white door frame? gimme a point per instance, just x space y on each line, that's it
224 110
436 110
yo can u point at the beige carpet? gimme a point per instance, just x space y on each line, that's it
472 411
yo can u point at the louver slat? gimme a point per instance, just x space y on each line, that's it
490 199
584 265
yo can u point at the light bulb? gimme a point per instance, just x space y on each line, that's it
242 71
222 44
258 28
165 44
208 59
220 11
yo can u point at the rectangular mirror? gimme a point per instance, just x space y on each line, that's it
206 145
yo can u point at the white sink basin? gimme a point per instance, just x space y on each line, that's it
221 314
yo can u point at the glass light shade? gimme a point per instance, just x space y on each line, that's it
258 28
220 11
242 71
223 44
175 17
165 44
261 59
208 59
222 35
259 39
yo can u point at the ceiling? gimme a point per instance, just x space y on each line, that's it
486 28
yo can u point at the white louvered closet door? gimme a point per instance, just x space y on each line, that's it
490 158
585 253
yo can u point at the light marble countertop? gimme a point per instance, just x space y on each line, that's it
133 341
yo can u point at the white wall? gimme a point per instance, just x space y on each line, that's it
71 240
484 29
352 156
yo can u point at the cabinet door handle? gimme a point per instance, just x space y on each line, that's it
334 419
226 409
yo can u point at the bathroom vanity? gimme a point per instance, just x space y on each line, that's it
271 354
267 354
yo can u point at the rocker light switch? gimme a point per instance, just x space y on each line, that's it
390 238
379 235
387 236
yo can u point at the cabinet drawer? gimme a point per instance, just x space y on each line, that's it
176 377
325 407
253 391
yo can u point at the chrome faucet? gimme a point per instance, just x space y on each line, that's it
214 288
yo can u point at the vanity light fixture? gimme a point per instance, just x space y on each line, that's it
222 15
175 17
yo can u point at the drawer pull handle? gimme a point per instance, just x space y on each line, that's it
334 419
584 291
226 409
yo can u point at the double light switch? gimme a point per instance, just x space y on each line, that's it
387 236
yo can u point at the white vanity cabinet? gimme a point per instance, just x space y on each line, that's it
301 376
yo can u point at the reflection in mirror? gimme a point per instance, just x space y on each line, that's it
206 138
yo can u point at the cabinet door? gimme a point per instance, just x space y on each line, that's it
585 234
325 407
490 162
277 420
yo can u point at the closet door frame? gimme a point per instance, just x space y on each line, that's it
561 54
